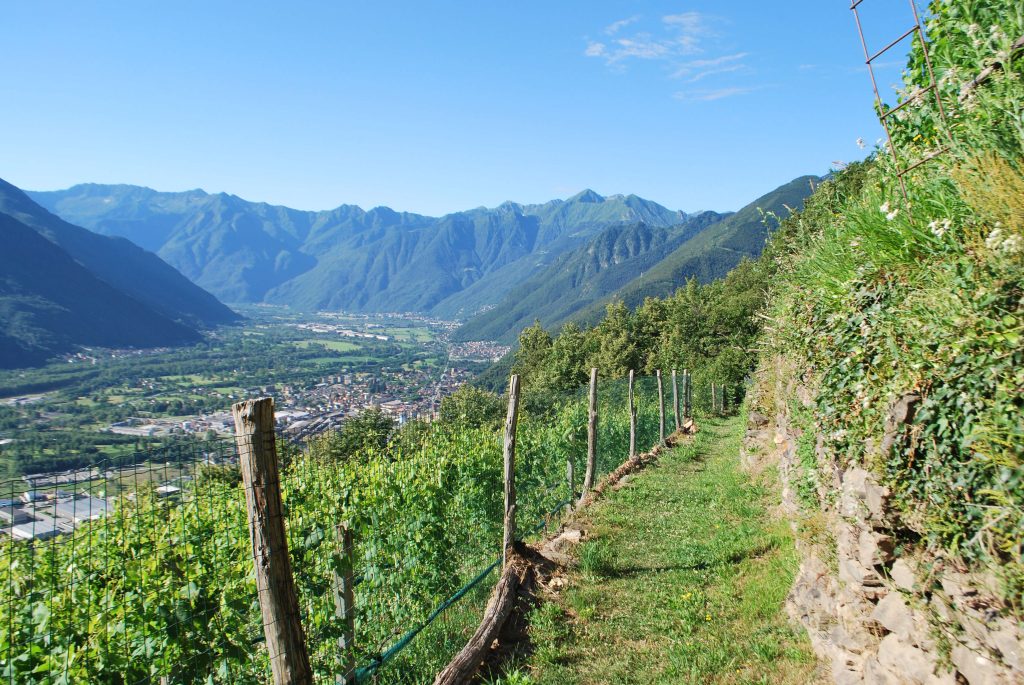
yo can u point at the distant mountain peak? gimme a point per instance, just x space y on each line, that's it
587 195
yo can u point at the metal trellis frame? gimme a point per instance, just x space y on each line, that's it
903 168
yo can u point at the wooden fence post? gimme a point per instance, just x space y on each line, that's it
675 399
275 585
632 418
687 394
588 477
570 476
511 420
661 410
714 400
345 602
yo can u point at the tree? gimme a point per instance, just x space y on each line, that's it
567 360
531 358
471 407
648 329
617 351
370 430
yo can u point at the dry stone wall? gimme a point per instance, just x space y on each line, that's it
874 613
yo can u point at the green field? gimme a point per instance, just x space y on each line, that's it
333 345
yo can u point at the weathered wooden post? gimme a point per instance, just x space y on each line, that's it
675 399
661 410
511 420
687 394
345 602
570 476
588 477
275 585
632 418
714 400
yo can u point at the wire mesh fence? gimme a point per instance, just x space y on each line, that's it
141 569
116 573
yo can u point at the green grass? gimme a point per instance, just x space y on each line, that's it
333 345
409 333
682 580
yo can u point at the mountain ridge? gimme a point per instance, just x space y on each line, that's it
50 303
349 258
707 253
63 286
120 262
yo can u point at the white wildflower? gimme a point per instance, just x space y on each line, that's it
1013 244
892 215
860 143
884 208
994 239
939 228
854 243
972 29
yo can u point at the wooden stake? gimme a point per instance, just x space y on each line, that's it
687 394
675 399
345 602
714 400
588 477
511 420
632 418
467 662
275 585
661 410
570 476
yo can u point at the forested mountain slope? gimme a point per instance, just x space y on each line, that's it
713 253
348 258
631 263
49 303
582 276
122 264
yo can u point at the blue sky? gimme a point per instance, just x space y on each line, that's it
437 106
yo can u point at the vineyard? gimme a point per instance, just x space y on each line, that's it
161 588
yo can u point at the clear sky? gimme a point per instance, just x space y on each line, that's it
434 107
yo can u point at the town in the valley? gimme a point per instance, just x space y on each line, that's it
402 365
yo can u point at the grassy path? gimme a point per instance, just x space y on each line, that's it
682 580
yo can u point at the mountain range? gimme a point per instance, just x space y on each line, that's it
498 269
62 285
348 258
633 262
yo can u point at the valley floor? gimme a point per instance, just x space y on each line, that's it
681 580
